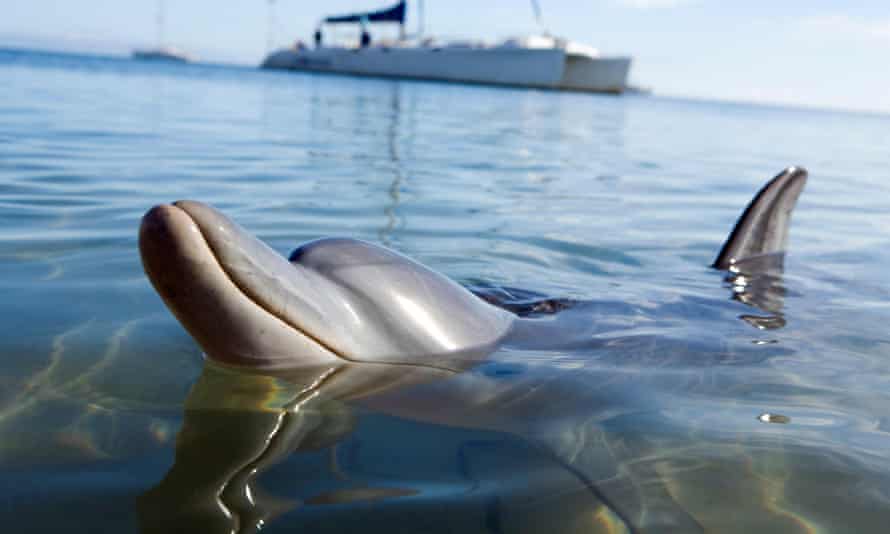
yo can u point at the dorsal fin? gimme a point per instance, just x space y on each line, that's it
763 227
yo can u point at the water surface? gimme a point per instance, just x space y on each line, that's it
662 409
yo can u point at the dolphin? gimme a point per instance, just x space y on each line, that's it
338 300
343 320
335 300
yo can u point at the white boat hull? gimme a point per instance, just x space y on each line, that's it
550 68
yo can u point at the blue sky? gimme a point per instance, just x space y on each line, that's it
814 53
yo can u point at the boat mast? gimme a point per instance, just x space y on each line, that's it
160 20
420 21
538 18
270 26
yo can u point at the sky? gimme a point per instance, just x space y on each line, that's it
817 53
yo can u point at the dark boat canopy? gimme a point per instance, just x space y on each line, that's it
395 13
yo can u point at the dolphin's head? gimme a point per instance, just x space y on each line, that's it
335 300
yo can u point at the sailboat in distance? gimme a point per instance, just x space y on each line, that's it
539 61
161 52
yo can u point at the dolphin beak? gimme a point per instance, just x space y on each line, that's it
202 290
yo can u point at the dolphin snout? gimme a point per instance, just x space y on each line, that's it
166 233
164 221
223 316
161 214
156 220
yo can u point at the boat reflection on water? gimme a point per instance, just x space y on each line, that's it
515 444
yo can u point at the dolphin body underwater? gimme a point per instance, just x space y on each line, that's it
290 344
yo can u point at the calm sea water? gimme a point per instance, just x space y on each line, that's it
653 422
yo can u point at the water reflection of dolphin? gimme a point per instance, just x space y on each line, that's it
571 471
263 419
345 321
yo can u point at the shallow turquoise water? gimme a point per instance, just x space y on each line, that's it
647 421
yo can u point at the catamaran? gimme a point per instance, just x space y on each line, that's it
539 61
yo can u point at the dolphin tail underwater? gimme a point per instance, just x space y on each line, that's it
763 227
339 300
